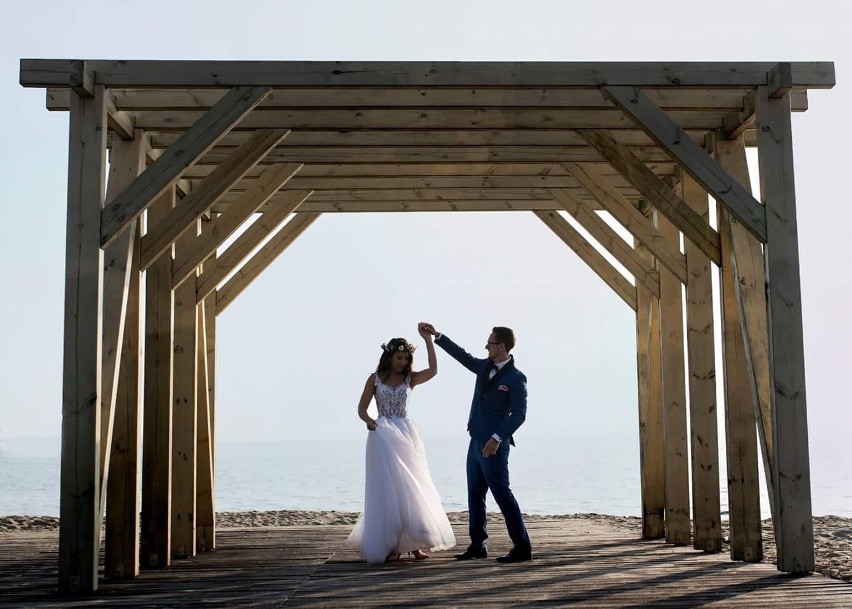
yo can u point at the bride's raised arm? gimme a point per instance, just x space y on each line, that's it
424 375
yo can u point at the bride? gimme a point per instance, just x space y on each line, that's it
402 508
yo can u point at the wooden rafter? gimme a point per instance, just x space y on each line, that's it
195 142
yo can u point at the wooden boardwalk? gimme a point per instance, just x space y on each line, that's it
577 563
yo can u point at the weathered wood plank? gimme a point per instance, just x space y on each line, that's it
216 271
701 358
79 500
262 259
224 225
642 271
199 137
629 217
184 409
740 423
127 160
652 476
189 73
794 525
577 563
158 395
676 462
660 195
121 538
205 513
590 255
181 217
128 100
665 130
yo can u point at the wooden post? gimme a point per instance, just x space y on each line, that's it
157 428
184 383
79 503
674 398
794 525
704 435
740 421
122 483
650 414
205 516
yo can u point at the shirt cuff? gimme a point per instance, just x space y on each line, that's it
438 335
496 437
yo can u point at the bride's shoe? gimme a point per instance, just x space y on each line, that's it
420 555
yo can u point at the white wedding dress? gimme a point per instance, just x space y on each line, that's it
402 507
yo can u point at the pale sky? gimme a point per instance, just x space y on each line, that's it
295 348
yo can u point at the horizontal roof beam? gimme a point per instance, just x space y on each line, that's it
202 74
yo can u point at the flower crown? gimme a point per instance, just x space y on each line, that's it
406 346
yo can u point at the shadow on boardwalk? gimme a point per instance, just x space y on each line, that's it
578 563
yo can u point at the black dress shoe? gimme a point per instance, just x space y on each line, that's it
472 553
516 555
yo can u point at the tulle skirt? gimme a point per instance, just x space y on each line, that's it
402 507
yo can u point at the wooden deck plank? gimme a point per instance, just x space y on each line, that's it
577 562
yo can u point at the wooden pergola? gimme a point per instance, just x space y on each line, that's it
199 150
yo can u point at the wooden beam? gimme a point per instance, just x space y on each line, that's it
262 259
794 524
692 158
749 282
215 272
629 217
701 358
130 100
158 395
224 225
652 475
203 74
426 118
590 255
659 194
674 399
127 160
642 271
205 513
181 217
185 410
198 139
210 336
79 501
740 404
121 543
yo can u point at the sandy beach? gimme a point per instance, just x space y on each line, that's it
832 534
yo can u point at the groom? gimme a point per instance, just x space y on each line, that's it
498 409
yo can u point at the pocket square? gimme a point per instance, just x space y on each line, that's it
502 388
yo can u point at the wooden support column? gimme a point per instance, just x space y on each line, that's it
127 160
157 428
701 357
650 414
185 407
122 483
741 402
674 398
794 519
79 502
205 515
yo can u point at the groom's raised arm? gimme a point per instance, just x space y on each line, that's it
460 355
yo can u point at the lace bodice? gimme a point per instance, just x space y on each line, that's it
391 400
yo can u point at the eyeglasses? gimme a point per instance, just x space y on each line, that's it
491 342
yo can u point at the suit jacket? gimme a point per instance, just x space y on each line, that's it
499 405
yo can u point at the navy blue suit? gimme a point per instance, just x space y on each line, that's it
499 406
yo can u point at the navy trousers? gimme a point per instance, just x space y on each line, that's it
492 473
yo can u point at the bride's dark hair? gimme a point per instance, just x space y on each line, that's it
388 349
